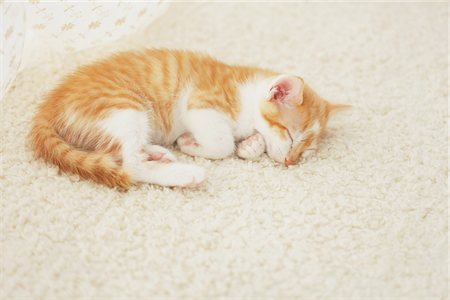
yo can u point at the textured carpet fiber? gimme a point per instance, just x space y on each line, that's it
365 218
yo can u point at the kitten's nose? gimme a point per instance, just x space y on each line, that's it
288 162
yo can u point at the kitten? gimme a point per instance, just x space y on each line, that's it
105 121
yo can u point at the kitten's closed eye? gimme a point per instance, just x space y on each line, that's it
290 135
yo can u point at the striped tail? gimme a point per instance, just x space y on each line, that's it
99 167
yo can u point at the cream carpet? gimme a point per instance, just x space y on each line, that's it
365 218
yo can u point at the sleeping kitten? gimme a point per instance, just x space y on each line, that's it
105 122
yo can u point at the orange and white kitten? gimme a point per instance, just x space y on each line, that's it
107 120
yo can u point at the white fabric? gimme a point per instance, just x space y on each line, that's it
13 38
42 29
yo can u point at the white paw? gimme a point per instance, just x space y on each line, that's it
187 176
187 144
186 139
251 147
158 153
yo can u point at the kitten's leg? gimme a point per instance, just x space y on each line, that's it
158 153
210 134
252 147
133 138
165 174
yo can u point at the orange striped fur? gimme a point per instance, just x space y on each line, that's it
64 131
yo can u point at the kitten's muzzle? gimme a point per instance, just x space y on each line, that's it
288 162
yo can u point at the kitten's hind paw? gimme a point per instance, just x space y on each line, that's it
158 153
188 176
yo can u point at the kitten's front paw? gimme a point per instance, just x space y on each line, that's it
158 153
251 147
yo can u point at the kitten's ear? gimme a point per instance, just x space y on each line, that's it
287 90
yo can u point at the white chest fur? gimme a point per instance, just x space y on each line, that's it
250 94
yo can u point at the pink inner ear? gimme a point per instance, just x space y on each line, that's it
286 90
279 92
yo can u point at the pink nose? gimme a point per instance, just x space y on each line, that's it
288 162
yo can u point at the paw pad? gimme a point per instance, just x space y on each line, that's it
186 139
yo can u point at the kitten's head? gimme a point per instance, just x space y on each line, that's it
296 116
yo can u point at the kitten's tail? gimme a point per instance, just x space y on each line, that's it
99 167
